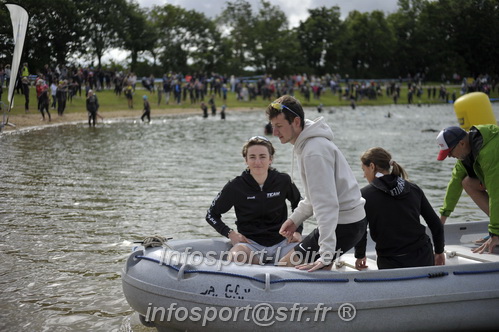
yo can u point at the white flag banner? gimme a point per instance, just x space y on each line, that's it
19 17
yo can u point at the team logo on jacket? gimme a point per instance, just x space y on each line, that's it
274 194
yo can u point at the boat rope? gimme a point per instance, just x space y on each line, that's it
458 273
428 275
237 275
276 281
310 280
155 241
158 261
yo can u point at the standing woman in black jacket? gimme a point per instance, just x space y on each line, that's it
259 197
393 207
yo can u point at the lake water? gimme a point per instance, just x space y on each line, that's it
73 198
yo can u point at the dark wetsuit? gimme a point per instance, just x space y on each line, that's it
92 108
147 111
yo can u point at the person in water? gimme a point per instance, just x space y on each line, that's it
92 107
393 207
44 101
147 110
259 197
204 108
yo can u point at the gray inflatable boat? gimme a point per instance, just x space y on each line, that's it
184 285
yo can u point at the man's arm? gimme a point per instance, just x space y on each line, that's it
454 190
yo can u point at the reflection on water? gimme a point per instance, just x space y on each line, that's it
73 198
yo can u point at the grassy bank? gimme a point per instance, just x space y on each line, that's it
109 101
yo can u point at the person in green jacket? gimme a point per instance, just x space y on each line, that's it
476 171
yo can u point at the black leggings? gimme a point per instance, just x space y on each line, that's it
44 106
420 257
92 118
146 115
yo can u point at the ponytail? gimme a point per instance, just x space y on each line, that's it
398 170
383 161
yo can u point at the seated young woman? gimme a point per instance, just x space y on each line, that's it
259 197
393 208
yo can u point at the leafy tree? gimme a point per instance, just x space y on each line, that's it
407 48
381 46
369 45
237 18
137 33
319 38
6 41
424 36
261 41
53 31
477 36
435 30
272 48
185 36
56 25
101 25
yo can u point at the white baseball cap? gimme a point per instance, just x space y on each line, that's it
447 139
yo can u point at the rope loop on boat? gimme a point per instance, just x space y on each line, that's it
155 241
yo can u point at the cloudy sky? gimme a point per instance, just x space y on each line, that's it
296 10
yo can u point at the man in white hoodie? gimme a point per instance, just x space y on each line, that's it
331 191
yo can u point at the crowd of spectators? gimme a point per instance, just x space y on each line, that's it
177 88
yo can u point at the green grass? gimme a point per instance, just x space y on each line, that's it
109 101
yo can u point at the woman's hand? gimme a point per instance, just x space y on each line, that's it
360 263
440 259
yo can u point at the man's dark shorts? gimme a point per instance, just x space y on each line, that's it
347 236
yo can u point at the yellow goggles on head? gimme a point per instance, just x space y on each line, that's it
280 107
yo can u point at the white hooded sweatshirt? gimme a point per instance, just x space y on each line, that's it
332 193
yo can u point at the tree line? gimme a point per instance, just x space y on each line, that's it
428 38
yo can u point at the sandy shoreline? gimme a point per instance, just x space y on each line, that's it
34 120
